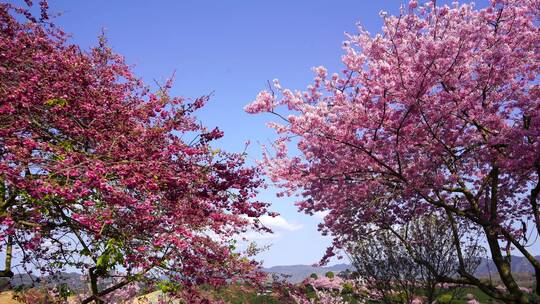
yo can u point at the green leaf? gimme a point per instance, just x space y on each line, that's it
103 261
66 145
56 102
111 256
168 286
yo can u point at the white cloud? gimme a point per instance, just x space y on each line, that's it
279 223
321 214
259 236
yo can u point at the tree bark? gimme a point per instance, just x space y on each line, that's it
7 273
94 286
503 267
533 200
537 277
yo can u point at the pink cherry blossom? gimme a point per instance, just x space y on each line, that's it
438 113
112 174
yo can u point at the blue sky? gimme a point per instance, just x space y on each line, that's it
232 48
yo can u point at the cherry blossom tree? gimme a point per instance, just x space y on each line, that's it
102 174
439 112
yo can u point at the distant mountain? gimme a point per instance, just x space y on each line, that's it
297 273
519 264
294 273
75 281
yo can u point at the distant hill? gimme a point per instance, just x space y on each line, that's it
519 264
75 281
297 273
69 278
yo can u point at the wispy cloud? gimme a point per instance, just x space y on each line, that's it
279 223
321 214
260 236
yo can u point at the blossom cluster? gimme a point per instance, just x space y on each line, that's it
109 172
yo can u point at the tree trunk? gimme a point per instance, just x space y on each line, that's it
504 269
7 273
94 286
537 277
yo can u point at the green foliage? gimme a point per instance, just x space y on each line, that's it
168 286
329 275
64 291
111 256
19 288
314 276
66 145
348 288
56 102
445 298
310 292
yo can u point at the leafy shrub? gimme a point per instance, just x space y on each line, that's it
348 288
445 299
